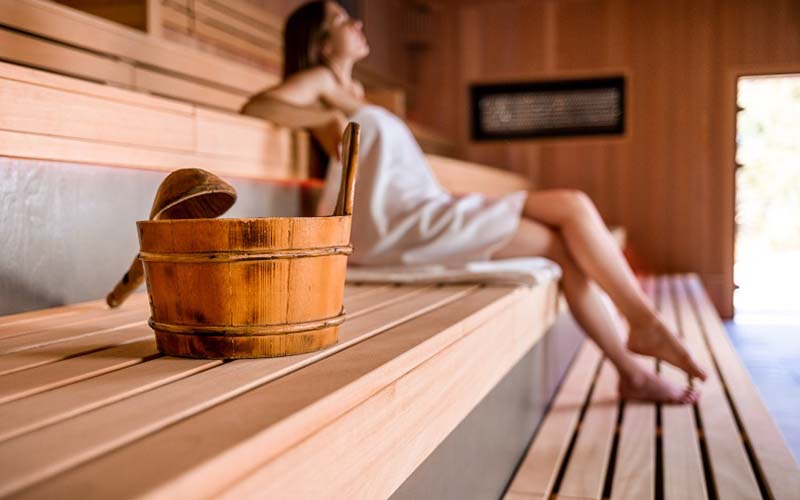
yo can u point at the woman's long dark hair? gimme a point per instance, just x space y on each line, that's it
303 36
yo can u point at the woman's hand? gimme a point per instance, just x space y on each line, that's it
329 135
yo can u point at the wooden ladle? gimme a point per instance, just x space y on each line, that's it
188 193
344 203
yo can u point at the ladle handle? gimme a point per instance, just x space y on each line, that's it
344 203
129 282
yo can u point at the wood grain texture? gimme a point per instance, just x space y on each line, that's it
586 471
80 29
733 475
541 464
77 440
683 465
775 460
285 423
670 182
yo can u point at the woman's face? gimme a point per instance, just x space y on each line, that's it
345 40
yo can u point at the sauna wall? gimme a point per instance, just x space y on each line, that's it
670 180
69 230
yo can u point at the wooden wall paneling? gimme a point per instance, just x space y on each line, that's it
132 13
175 16
671 182
84 30
246 21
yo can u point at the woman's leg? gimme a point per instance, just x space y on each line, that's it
593 314
595 251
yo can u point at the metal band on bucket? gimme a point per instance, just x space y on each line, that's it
250 330
244 255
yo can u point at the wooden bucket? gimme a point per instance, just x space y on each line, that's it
250 288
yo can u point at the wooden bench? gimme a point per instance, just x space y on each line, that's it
592 446
89 409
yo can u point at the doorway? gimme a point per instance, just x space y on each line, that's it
767 241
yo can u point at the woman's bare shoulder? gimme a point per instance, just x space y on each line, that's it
303 88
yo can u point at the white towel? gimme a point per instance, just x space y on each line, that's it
403 216
530 271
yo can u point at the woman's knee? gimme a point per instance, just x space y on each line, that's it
580 204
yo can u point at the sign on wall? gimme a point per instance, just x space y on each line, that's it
550 108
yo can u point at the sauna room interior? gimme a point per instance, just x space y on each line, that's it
245 353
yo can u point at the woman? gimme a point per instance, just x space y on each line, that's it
403 216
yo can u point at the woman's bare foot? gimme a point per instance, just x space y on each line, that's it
648 386
657 341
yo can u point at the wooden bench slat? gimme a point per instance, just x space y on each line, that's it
541 464
76 440
635 468
23 49
186 90
25 383
772 454
733 475
51 353
51 327
683 463
81 396
293 413
427 403
34 412
102 323
634 472
49 111
588 463
35 321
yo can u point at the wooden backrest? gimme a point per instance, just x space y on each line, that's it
49 36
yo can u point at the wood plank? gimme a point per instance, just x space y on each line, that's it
115 320
209 31
74 85
427 402
76 440
226 17
44 110
683 464
51 353
47 408
239 136
586 470
55 405
730 467
31 320
635 468
186 90
772 454
43 147
460 176
541 464
22 384
23 49
634 472
84 30
368 378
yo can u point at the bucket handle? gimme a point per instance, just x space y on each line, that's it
344 203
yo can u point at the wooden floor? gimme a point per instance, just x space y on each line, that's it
89 409
592 446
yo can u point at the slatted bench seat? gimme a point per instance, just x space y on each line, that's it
89 409
592 446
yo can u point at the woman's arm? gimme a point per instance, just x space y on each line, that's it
288 104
